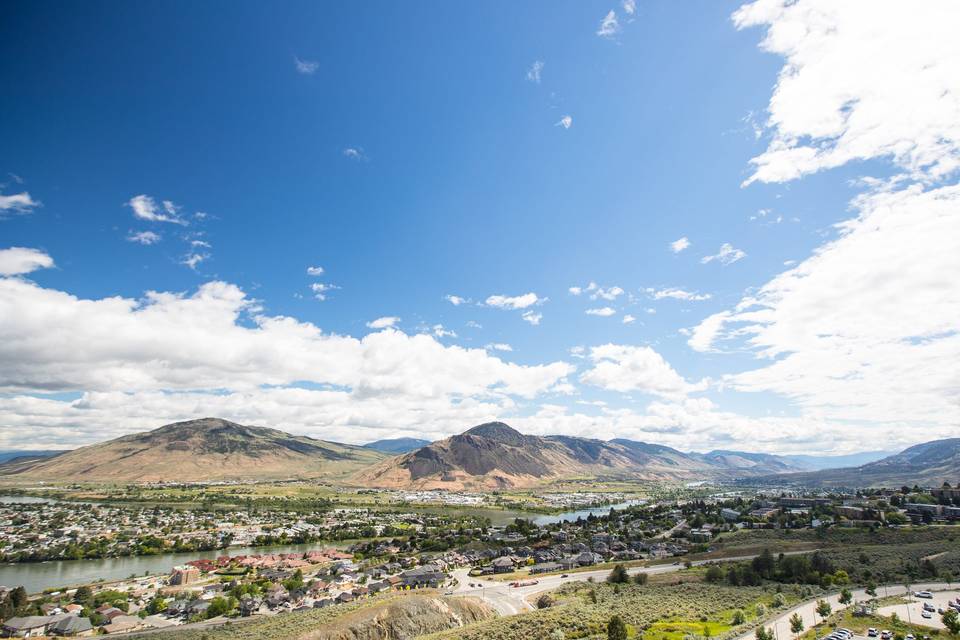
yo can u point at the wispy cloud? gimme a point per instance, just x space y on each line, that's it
315 271
144 237
676 293
679 245
146 208
566 122
726 255
514 302
17 203
629 7
629 319
354 153
455 300
533 73
603 312
609 26
321 289
306 67
499 346
194 259
532 317
384 322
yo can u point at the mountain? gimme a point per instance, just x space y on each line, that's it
43 453
496 456
745 463
816 463
196 451
928 464
394 446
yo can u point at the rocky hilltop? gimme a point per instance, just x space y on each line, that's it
196 451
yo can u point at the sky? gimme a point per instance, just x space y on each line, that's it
710 225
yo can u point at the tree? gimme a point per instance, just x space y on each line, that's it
739 617
544 602
83 594
763 634
871 589
823 609
641 578
779 600
951 620
714 574
616 629
618 575
796 623
846 597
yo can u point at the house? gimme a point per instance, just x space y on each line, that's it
122 624
588 558
503 565
730 515
250 606
545 567
184 574
423 576
344 597
72 626
30 626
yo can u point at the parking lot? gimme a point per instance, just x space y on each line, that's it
913 612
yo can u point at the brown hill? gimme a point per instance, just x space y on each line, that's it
495 456
196 451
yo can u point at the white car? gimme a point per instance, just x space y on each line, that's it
923 594
926 614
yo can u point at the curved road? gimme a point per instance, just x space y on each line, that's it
509 600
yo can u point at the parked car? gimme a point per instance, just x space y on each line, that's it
928 607
872 632
926 614
885 635
566 575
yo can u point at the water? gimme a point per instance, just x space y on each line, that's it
37 576
571 516
25 500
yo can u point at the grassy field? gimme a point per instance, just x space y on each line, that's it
654 611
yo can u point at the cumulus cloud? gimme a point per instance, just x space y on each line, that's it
609 26
17 261
610 293
216 338
726 255
306 67
499 346
626 368
680 244
315 271
514 302
439 331
603 312
454 300
16 203
146 208
533 73
677 293
566 122
532 317
384 322
144 237
628 319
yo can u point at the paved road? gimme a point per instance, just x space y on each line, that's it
781 624
913 612
507 600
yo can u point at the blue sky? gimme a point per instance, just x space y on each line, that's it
415 152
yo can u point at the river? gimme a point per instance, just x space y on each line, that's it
571 516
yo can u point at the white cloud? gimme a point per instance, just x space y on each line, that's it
514 302
499 346
627 368
566 122
321 289
705 334
20 260
354 153
629 7
194 259
146 208
384 322
629 319
610 293
217 339
676 293
609 26
726 255
306 67
603 312
533 73
532 317
861 80
440 331
454 300
680 244
17 203
315 271
575 290
144 237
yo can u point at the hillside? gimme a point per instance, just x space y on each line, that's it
927 464
395 446
196 451
496 456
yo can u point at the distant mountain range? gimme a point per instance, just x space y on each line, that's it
199 450
396 445
488 456
496 456
928 464
42 453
